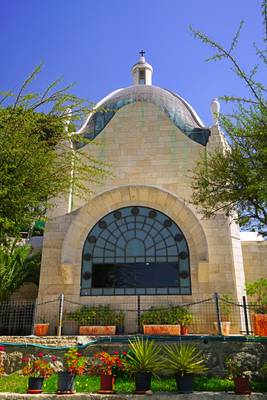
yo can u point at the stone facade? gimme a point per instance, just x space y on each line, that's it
151 161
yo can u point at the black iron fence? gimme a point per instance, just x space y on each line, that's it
128 315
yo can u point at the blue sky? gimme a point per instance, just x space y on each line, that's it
95 43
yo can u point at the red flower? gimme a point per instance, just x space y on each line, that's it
2 348
25 359
54 358
115 352
40 354
124 352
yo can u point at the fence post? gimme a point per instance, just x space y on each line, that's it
139 313
60 314
246 314
34 316
218 313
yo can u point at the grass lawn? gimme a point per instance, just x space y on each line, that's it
18 384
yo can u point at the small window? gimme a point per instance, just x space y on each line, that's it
142 79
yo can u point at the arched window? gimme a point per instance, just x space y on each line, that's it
135 251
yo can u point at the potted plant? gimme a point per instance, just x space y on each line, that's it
240 375
184 361
143 360
258 293
106 366
184 318
161 321
41 328
97 320
73 364
37 368
225 311
120 317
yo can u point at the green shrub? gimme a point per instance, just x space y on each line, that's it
258 293
170 315
97 315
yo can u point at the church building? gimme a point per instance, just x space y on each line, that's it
139 234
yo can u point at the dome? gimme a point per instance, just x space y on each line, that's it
178 110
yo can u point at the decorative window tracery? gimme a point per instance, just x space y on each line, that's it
135 250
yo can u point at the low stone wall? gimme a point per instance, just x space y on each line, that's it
254 354
156 396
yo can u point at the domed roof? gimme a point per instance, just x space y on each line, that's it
177 109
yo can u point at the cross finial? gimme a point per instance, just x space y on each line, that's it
142 52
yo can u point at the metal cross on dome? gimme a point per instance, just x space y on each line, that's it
142 52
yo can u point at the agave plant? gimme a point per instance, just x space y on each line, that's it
183 359
144 356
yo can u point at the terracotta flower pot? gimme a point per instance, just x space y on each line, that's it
107 383
184 330
97 330
170 330
242 385
41 329
35 385
225 326
260 324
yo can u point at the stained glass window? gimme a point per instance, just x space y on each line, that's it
135 250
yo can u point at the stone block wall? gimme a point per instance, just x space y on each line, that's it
255 259
254 354
151 161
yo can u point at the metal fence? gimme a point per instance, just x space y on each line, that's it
207 316
16 317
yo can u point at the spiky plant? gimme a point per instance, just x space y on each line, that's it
144 356
184 359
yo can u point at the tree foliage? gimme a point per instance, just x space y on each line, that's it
233 180
37 154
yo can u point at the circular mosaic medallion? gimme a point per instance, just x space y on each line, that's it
183 255
167 223
92 239
152 214
102 224
135 211
179 237
117 214
183 274
87 276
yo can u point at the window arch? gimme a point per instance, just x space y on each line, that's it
135 250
